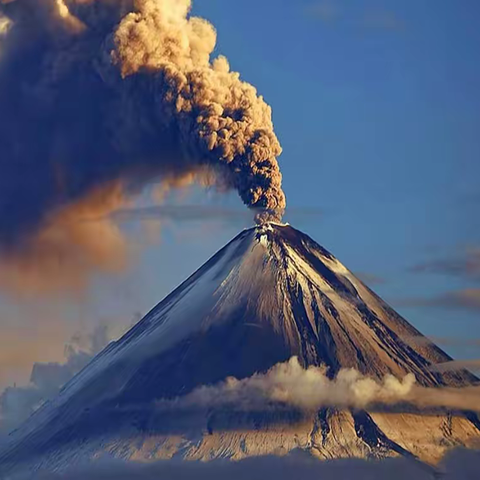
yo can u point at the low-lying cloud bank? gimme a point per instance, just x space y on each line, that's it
459 465
286 384
310 389
46 380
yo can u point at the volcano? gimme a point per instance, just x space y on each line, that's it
270 294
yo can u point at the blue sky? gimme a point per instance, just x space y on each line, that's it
376 104
377 107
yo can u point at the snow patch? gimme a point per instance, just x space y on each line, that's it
299 265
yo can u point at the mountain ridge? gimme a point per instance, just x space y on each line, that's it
269 294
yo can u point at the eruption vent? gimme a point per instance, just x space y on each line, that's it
100 96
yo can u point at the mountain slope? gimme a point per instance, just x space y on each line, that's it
270 294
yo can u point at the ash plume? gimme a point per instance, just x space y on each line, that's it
99 98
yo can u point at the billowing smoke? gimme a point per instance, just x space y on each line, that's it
99 98
311 389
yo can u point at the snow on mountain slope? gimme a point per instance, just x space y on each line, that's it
270 294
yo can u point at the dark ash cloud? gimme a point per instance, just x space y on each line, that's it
99 98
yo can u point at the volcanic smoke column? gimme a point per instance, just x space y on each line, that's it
219 118
98 98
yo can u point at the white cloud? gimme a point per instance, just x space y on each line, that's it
310 389
18 403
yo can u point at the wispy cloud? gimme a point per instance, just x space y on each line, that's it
201 213
370 278
289 384
384 20
327 10
333 11
464 265
467 299
445 341
457 365
306 389
17 403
